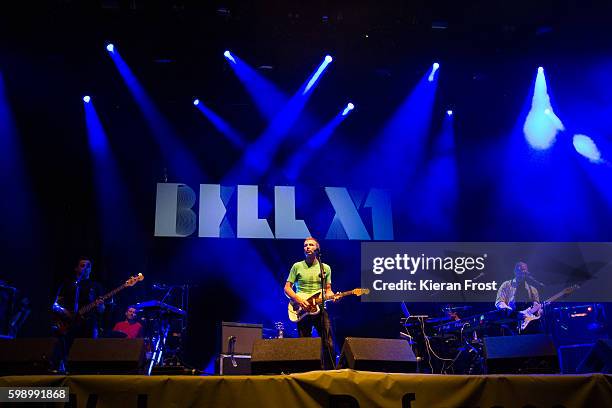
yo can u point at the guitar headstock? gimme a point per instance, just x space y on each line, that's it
360 291
570 289
134 280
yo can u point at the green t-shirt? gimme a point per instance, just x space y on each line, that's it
306 278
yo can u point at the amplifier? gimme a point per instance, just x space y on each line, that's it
571 356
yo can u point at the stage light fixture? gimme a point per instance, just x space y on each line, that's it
196 102
328 59
449 112
434 68
586 147
86 99
349 107
110 48
541 124
229 56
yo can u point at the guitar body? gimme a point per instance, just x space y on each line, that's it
528 315
535 312
65 321
297 313
61 323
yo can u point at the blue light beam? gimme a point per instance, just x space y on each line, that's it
294 165
229 56
268 99
112 195
541 125
313 80
436 194
432 74
258 157
348 109
20 213
176 155
228 131
586 147
96 135
402 140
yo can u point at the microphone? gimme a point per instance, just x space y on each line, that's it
534 280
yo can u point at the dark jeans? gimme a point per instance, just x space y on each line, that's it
321 323
84 329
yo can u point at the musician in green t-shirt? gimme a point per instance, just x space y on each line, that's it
305 278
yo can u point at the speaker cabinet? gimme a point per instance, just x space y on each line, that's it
571 356
106 356
238 338
383 355
286 356
529 354
598 359
29 356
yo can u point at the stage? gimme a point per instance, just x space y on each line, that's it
346 388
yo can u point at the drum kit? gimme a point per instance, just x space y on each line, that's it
164 327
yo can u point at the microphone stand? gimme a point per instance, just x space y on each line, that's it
323 310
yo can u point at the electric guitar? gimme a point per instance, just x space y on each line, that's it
533 313
64 321
297 312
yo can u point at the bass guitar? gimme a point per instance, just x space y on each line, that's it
534 313
297 312
65 320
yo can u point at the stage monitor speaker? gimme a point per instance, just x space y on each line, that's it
238 338
29 356
528 354
286 356
106 356
598 359
570 357
383 355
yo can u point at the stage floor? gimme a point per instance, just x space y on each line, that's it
342 388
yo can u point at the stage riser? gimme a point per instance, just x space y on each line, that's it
347 388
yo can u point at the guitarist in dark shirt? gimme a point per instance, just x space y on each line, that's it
72 295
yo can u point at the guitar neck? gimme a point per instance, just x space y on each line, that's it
89 307
338 296
559 295
554 297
